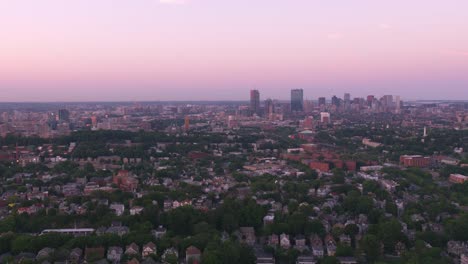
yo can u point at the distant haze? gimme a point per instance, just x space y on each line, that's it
133 50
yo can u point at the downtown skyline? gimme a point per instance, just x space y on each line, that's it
219 50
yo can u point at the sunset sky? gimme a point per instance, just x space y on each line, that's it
94 50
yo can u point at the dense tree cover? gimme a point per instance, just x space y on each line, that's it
424 254
458 228
187 226
228 253
356 203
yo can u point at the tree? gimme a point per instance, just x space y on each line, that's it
338 176
7 224
330 260
246 255
314 227
210 257
21 244
344 251
296 223
229 223
351 230
390 233
171 259
391 208
370 244
5 242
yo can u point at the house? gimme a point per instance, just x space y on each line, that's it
170 252
345 240
273 240
464 259
192 255
45 253
457 248
330 243
300 243
118 230
118 208
400 248
125 181
25 257
114 254
159 232
132 250
149 249
268 219
167 205
317 246
136 210
284 241
75 255
247 235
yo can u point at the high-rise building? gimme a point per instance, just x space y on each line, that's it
370 99
347 101
297 100
63 115
322 101
269 107
254 101
388 100
398 104
347 98
308 106
335 101
187 123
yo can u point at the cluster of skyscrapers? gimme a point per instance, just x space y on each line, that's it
297 104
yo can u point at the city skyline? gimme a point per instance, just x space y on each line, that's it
217 50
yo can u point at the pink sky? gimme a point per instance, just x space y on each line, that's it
56 50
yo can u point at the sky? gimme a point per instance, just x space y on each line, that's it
135 50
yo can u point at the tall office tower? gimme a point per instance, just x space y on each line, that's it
335 101
388 100
63 115
269 107
254 101
398 104
187 123
322 101
370 99
297 100
347 98
347 101
308 106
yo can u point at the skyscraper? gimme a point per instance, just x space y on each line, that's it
269 107
187 123
398 104
347 98
297 100
254 101
347 101
63 115
370 100
335 101
322 101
